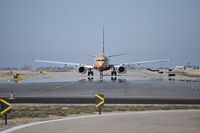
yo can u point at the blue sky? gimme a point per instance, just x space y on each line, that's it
65 30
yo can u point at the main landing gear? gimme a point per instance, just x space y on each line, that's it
113 75
113 72
90 74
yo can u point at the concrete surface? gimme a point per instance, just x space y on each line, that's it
185 121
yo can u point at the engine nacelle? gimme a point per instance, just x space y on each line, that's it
121 69
82 69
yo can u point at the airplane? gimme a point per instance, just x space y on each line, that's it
102 63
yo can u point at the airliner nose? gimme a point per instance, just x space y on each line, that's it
101 64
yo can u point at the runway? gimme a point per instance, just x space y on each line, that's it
124 87
137 122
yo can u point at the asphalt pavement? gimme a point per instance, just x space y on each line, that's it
122 87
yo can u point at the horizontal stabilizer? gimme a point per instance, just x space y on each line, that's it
117 55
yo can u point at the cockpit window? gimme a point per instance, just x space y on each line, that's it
100 60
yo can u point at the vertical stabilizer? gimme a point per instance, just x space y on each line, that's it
102 49
103 40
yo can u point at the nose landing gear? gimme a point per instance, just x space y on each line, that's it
101 74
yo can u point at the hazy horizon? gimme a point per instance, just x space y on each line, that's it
66 30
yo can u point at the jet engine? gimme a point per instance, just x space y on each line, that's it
121 69
82 69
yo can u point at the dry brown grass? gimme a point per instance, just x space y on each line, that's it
188 73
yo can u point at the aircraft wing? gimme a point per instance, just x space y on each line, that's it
64 63
145 62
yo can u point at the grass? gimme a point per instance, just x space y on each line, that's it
183 73
44 111
22 114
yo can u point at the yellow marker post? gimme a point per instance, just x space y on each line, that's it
4 107
99 101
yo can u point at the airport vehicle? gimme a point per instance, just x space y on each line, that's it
102 63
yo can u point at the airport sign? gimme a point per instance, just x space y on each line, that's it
4 106
99 100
